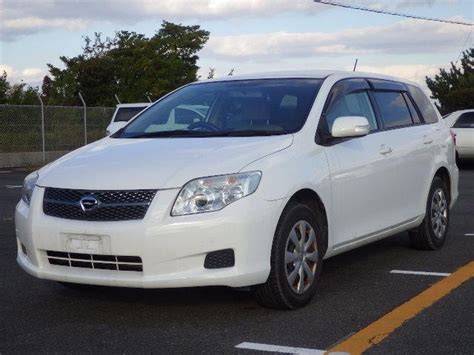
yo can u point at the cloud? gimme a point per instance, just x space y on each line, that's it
408 36
400 4
32 76
23 17
414 72
27 25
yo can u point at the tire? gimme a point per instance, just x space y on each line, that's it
288 262
432 232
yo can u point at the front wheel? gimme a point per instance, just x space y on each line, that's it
432 232
296 260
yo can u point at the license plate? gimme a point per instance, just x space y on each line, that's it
86 244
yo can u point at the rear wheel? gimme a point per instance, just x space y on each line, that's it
296 260
432 232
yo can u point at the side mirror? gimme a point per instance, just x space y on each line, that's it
350 126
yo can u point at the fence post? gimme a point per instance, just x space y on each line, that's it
85 117
42 127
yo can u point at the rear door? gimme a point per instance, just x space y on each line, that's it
464 129
411 143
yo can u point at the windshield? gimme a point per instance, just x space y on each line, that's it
124 114
232 108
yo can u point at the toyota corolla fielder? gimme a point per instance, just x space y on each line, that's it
244 181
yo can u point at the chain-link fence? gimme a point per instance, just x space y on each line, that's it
21 138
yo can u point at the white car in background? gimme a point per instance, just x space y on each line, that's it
244 181
462 123
123 113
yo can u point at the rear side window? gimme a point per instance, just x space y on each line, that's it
424 104
393 109
466 120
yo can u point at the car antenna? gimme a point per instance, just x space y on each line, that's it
355 65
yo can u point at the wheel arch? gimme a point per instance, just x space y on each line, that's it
310 198
443 174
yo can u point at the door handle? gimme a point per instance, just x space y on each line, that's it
427 140
384 149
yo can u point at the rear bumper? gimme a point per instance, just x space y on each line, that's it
172 249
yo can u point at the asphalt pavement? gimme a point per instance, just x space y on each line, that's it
356 289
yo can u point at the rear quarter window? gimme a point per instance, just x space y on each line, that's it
427 109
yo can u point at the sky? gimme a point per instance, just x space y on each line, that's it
246 35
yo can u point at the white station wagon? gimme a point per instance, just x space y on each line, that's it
462 124
271 174
124 113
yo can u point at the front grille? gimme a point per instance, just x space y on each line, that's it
93 261
118 205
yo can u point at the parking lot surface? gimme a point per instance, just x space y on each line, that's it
356 289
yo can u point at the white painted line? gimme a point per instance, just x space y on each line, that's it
419 273
278 348
469 234
5 171
13 186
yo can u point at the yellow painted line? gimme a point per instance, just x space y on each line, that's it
383 327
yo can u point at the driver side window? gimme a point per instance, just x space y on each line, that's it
353 104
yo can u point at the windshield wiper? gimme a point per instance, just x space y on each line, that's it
174 133
187 133
251 133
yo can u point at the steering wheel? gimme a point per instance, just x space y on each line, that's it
203 126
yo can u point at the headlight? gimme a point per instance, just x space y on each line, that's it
28 187
214 193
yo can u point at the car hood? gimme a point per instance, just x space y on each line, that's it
155 163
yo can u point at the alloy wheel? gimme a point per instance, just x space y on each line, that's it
439 213
301 257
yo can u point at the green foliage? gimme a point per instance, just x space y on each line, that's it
17 94
454 89
212 72
4 87
129 65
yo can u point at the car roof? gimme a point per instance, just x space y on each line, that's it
459 112
313 74
137 104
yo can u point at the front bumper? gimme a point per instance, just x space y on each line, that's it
172 249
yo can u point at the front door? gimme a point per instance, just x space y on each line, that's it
363 169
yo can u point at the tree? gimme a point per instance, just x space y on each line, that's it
4 87
20 94
129 65
212 72
16 94
454 89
